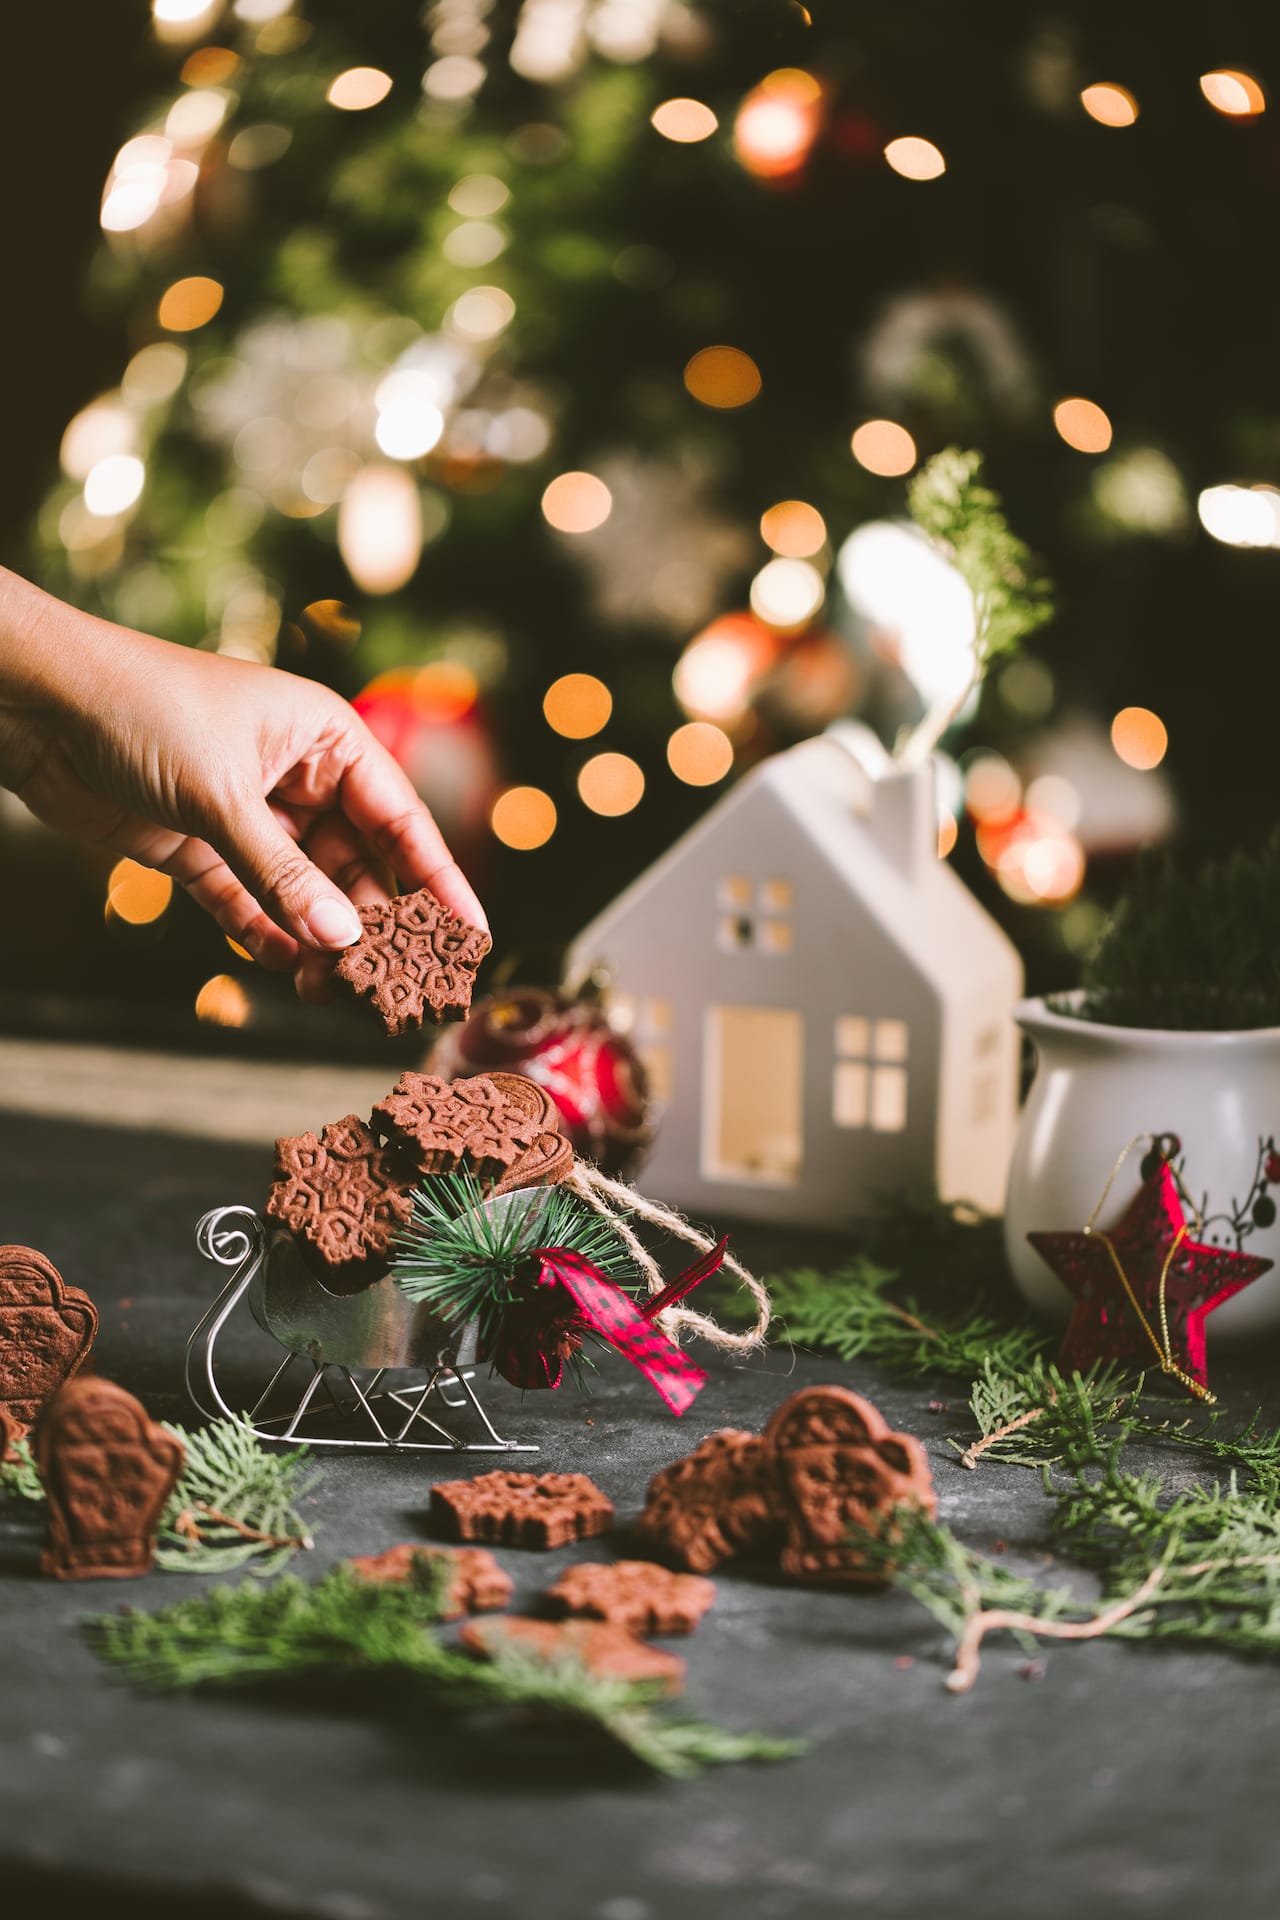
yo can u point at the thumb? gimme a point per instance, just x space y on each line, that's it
285 882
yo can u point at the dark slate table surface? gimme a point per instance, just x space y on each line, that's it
1124 1782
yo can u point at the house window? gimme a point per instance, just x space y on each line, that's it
869 1087
755 917
753 1078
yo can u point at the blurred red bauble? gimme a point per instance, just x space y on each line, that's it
593 1074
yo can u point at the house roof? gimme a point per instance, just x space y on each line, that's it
873 825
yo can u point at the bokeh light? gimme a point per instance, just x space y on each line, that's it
717 672
112 485
1140 737
155 372
222 1002
684 121
577 503
1241 516
914 158
409 421
1083 425
777 124
907 590
611 783
357 88
1110 105
1236 94
138 181
478 195
793 529
481 313
380 528
189 303
883 447
786 594
209 67
699 753
722 377
196 116
948 834
97 431
992 790
136 893
523 818
577 705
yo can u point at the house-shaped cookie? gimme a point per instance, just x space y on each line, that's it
823 1007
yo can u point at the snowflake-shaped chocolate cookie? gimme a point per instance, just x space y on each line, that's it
444 1123
343 1192
414 957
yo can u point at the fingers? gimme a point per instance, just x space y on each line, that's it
211 883
379 799
299 898
344 855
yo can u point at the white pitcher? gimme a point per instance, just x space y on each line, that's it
1097 1086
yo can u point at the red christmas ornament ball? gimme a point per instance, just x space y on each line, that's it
594 1074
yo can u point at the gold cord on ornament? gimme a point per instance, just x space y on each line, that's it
1162 1347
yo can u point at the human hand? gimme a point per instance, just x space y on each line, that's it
263 794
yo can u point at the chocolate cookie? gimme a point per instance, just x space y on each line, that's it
9 1434
342 1194
596 1644
720 1502
107 1471
521 1509
550 1159
842 1471
46 1331
632 1593
476 1583
414 957
444 1124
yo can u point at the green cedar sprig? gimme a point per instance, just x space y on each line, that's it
234 1504
1198 1563
342 1624
949 503
463 1259
948 500
850 1312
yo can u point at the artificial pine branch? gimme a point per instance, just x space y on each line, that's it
234 1502
463 1259
247 1634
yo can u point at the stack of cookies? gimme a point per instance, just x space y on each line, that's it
345 1194
803 1495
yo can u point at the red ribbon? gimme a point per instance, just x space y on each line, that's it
570 1296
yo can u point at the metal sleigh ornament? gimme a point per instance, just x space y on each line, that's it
378 1364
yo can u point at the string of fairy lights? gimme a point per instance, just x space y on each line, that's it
362 445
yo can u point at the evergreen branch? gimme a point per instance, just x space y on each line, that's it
234 1502
949 503
19 1476
247 1634
1008 1401
848 1312
464 1260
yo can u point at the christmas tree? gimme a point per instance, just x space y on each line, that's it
547 375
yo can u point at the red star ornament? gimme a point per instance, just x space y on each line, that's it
1104 1325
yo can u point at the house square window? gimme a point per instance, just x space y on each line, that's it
754 917
869 1086
652 1035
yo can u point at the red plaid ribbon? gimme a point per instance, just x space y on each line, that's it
571 1296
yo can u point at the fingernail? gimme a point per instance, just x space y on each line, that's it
333 923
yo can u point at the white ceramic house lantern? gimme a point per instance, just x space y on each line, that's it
824 1008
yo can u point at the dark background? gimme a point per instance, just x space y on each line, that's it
1141 270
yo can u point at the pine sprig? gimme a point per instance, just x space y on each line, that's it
19 1475
849 1312
948 501
464 1259
234 1503
247 1634
1031 1414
